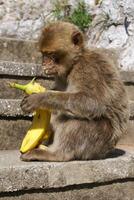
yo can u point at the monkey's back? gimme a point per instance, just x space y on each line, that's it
96 77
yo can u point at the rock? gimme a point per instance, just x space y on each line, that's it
17 18
19 51
25 19
12 131
108 30
17 175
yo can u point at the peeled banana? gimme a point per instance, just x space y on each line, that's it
39 128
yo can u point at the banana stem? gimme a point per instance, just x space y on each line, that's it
18 86
32 81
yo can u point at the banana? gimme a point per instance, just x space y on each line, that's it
41 119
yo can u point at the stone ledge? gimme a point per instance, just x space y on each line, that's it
10 68
11 108
17 175
21 69
19 50
127 76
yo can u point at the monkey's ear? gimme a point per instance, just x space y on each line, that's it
77 38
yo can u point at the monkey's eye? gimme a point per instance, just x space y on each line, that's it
58 56
54 56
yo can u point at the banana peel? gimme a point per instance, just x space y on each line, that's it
41 119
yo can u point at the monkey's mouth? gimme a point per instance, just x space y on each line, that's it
50 69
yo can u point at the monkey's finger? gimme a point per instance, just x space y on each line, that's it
24 101
27 109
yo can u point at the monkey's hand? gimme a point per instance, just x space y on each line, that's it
30 103
77 104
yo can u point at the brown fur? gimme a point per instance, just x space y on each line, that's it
90 108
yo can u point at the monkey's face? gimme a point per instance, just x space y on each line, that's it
60 44
54 63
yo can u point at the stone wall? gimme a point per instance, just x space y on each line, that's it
25 19
109 29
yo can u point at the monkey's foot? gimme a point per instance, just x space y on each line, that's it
33 155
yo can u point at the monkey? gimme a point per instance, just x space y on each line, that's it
89 103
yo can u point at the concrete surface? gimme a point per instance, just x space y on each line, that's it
19 50
109 179
113 191
17 175
127 76
21 69
12 131
35 69
11 107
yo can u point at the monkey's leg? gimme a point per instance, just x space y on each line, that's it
44 155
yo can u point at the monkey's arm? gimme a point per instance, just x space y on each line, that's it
76 104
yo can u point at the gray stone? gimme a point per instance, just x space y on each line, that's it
12 132
127 76
131 108
11 107
19 51
18 17
32 69
108 30
130 91
21 69
127 56
14 129
25 19
113 191
17 175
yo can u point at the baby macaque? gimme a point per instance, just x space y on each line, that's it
89 103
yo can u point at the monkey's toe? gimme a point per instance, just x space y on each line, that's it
27 157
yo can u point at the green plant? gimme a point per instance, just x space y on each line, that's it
79 16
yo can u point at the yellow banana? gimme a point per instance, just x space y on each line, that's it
39 128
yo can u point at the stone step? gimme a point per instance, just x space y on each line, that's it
7 92
19 50
13 130
127 76
8 68
21 69
11 108
14 125
98 179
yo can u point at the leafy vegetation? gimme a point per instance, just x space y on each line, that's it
78 16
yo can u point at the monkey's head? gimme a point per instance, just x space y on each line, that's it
61 45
